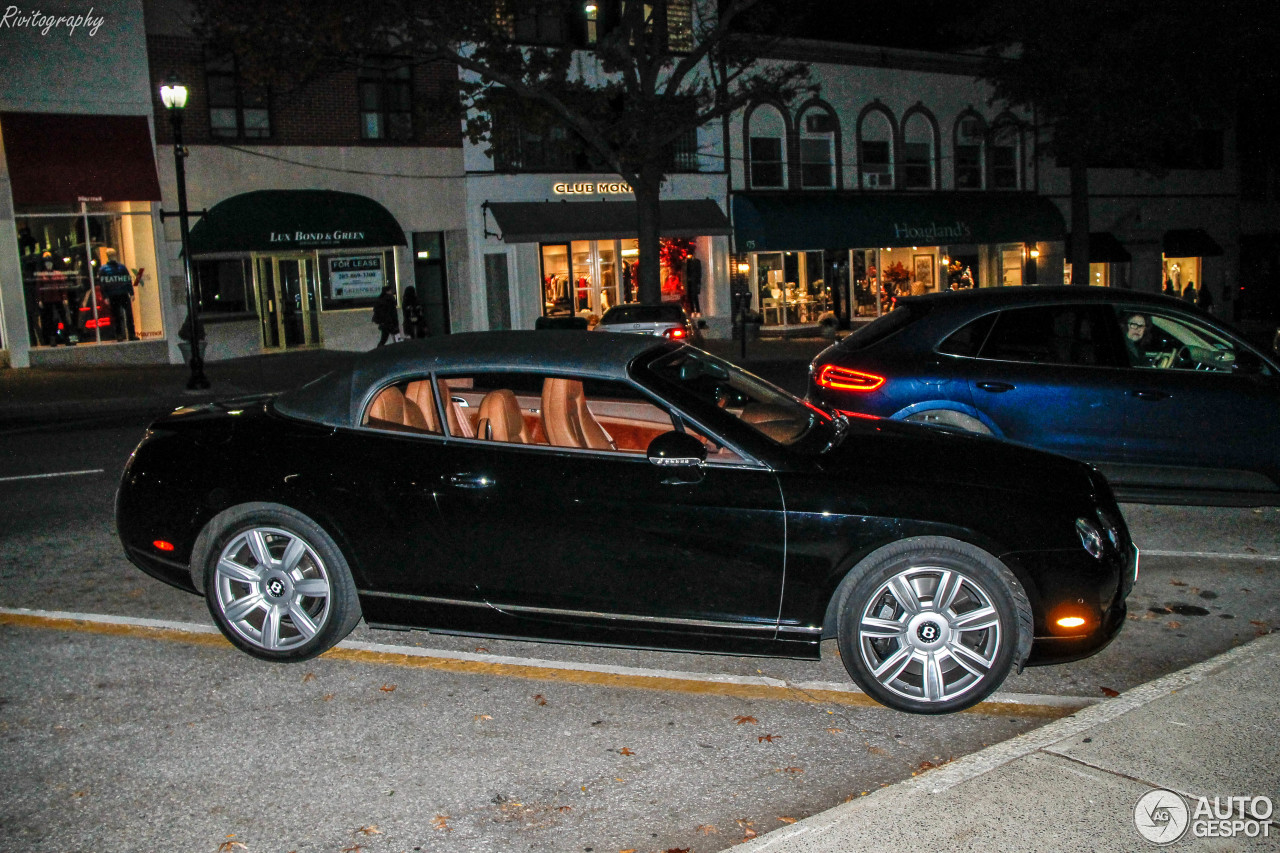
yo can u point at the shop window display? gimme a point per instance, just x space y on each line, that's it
88 278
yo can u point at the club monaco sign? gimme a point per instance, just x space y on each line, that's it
590 188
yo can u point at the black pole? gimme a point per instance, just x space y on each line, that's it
198 380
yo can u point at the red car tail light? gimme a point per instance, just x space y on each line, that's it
844 379
161 545
674 334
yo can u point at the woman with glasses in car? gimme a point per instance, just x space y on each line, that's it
1137 334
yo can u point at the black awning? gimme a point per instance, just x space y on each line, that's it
867 220
1104 248
57 158
562 221
289 220
1190 243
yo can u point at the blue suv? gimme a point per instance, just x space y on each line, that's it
1169 403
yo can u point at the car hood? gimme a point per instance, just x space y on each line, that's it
889 450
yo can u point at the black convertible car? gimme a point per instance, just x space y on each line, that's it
621 490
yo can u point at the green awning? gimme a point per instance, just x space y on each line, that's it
291 220
562 221
766 222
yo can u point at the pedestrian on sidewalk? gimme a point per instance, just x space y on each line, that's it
386 316
415 323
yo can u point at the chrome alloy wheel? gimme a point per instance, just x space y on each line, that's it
272 588
930 634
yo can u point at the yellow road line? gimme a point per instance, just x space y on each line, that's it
537 673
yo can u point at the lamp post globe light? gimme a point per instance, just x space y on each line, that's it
174 97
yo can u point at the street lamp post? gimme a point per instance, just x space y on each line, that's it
174 96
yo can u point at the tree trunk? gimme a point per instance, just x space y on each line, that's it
1079 217
648 226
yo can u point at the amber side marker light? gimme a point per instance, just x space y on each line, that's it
844 379
161 545
1070 621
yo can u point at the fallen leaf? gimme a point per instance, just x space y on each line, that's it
371 829
229 846
676 850
744 823
787 819
834 731
565 809
481 649
748 833
628 850
328 697
740 719
310 676
1173 623
441 821
770 738
625 751
1255 623
478 717
708 829
388 688
354 848
538 699
793 770
1178 583
1109 693
875 750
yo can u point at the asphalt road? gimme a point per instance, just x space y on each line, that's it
120 736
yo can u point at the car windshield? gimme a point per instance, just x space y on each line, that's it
765 408
643 314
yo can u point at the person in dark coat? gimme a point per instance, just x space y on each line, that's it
415 321
117 285
386 315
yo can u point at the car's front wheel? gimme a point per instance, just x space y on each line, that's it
276 584
932 625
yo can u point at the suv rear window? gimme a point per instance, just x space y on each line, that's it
877 330
643 314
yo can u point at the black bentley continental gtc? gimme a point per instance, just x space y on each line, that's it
626 491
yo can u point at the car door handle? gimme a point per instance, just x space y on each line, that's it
470 481
1144 394
995 387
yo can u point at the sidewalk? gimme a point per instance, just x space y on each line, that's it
1211 730
41 394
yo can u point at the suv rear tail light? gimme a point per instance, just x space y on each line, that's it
844 379
674 334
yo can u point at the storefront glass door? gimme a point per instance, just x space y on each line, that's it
287 303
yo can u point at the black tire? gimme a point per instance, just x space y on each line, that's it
946 655
276 583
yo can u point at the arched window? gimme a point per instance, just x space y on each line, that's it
767 147
818 131
875 148
970 151
919 150
1005 154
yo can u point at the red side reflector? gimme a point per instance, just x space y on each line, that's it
844 379
161 545
674 333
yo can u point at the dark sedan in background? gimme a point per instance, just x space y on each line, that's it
628 491
1170 403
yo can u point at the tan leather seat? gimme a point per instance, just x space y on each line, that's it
392 407
566 419
420 393
501 418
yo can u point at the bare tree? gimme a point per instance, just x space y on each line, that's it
626 80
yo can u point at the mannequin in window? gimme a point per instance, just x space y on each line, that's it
693 283
117 285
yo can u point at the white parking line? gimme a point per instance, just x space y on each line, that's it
56 474
752 686
1211 555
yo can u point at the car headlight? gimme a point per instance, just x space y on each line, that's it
1110 527
1090 537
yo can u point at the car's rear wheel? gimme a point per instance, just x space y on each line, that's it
931 625
276 584
949 418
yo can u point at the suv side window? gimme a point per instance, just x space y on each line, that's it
1167 340
1083 335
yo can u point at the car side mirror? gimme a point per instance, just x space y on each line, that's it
677 450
